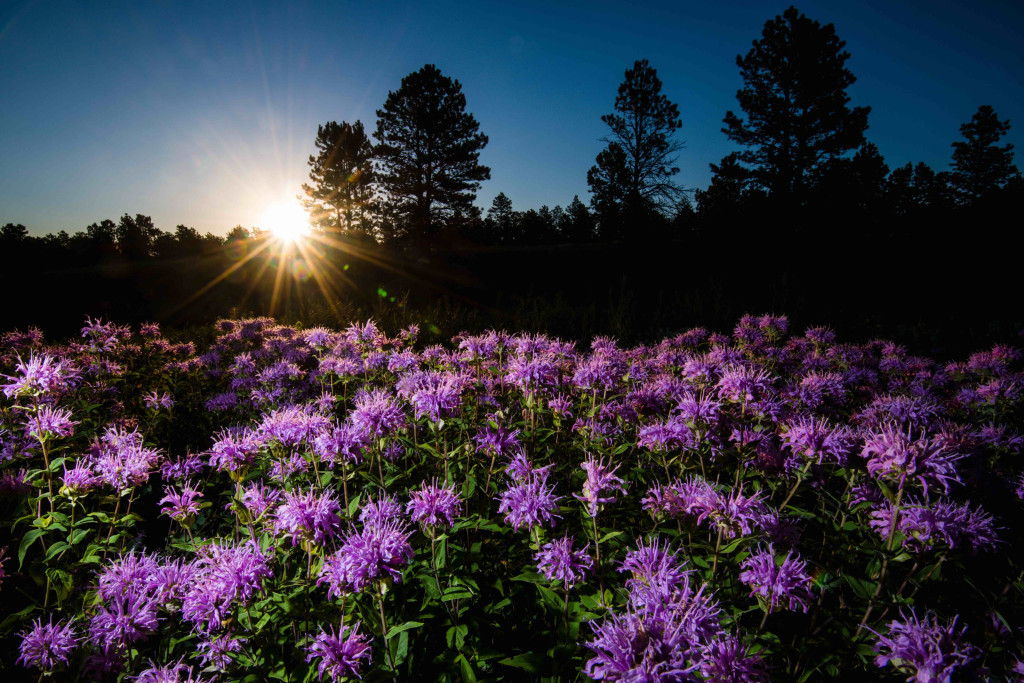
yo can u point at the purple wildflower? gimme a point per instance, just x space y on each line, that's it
123 619
815 440
377 413
215 651
925 525
530 501
183 506
223 573
662 640
156 401
258 498
655 572
779 583
735 514
339 655
123 460
599 480
47 645
726 660
308 517
234 449
168 673
345 443
377 552
744 384
694 496
893 454
293 425
557 561
497 442
927 650
49 422
377 511
432 504
78 480
40 375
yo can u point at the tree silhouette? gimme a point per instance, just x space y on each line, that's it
428 151
341 179
795 102
136 236
980 165
633 174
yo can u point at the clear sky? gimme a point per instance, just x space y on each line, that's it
204 113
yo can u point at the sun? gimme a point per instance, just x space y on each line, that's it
286 221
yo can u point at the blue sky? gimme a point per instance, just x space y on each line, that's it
204 113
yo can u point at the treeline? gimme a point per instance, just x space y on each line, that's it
806 218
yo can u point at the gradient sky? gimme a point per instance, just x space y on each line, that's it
204 113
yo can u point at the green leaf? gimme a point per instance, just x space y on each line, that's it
467 669
401 628
530 576
27 540
61 582
528 661
610 535
55 548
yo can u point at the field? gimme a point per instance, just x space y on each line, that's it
267 502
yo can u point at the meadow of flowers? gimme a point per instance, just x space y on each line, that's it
272 503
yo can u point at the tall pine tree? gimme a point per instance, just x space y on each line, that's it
980 165
794 97
428 153
340 190
634 173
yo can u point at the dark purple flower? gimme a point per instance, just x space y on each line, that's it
926 650
432 504
661 639
308 517
339 654
726 660
47 645
182 467
600 483
784 583
557 561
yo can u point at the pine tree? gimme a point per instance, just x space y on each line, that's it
633 174
427 153
794 98
980 165
341 176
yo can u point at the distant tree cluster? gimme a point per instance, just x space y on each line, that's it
802 148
